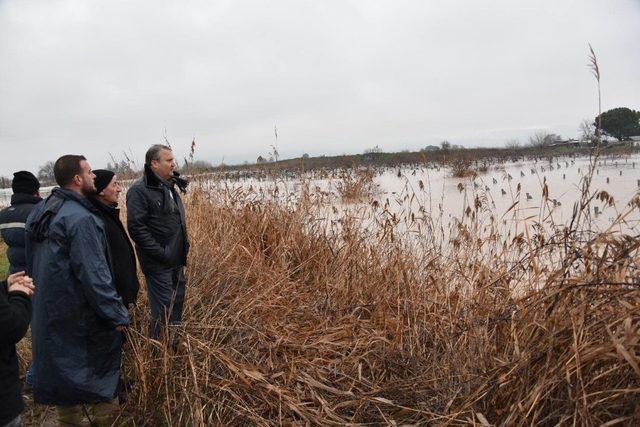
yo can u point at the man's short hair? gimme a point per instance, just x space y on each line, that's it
153 153
66 167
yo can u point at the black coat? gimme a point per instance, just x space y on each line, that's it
15 313
123 258
12 220
156 223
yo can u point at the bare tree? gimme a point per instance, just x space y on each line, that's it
587 131
543 139
45 173
5 182
537 139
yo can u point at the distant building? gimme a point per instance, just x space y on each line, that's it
565 143
261 160
616 143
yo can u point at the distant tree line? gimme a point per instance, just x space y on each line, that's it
621 123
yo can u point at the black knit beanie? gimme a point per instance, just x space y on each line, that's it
25 182
103 178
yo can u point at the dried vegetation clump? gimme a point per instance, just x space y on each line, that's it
461 168
290 320
354 185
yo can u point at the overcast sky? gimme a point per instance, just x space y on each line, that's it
100 77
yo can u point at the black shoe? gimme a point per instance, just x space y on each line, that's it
123 396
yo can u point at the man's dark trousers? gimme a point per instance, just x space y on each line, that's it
165 289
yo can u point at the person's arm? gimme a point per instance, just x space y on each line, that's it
15 313
91 267
137 215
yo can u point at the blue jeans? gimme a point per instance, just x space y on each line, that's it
29 376
166 289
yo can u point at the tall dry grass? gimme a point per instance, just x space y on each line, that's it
356 185
290 319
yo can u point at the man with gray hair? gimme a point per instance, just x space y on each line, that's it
156 223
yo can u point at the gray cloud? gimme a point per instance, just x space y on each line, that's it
334 76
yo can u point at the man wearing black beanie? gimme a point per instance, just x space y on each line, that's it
12 219
108 190
25 197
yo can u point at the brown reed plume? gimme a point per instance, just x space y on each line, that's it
595 70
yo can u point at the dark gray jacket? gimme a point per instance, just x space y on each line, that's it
12 220
156 223
15 313
76 348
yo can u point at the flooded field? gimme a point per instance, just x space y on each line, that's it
507 192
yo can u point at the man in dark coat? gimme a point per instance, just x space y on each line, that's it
15 314
105 200
156 222
25 196
78 317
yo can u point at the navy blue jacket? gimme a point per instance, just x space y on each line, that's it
12 220
76 349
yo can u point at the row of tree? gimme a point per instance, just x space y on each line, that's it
621 123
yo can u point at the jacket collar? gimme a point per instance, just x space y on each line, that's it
38 228
111 211
154 181
66 194
21 198
151 179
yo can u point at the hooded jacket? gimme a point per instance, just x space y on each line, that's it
15 313
121 249
76 348
12 221
156 222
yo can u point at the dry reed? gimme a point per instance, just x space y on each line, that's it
293 320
